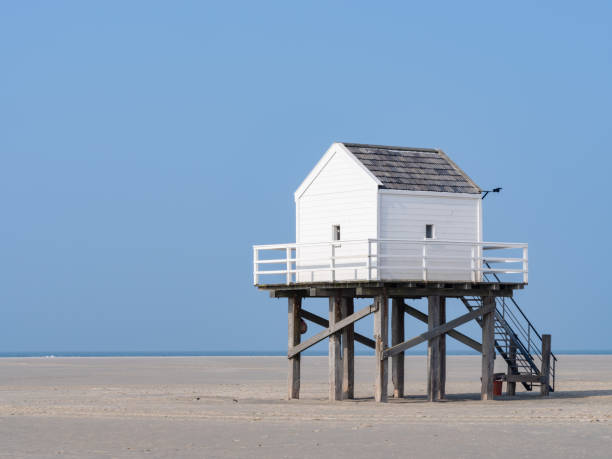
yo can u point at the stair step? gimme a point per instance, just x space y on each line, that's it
528 378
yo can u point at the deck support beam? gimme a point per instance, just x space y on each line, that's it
295 304
545 370
452 333
381 332
444 328
325 324
348 351
436 350
333 328
397 336
488 348
335 357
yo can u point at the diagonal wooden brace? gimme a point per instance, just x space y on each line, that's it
325 323
452 333
444 328
331 330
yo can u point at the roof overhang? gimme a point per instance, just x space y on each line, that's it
432 194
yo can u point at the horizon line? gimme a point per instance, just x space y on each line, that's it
250 353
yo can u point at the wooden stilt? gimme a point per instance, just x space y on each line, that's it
436 350
335 357
397 336
348 351
381 332
488 350
545 370
295 304
511 385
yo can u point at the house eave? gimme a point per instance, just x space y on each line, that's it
430 193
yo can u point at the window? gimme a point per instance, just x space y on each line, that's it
335 232
429 231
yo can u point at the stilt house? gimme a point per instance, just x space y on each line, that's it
394 222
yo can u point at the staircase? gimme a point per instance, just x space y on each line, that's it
516 340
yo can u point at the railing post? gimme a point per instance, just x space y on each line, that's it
332 262
424 261
288 254
479 264
255 266
525 266
473 265
369 263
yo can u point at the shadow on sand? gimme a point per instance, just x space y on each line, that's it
520 396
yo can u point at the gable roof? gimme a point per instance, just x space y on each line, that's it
415 169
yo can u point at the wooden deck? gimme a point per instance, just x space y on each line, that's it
408 289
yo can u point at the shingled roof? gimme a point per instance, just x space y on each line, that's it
416 169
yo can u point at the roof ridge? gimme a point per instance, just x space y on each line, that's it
389 147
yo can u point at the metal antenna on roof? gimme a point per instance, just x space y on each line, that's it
494 190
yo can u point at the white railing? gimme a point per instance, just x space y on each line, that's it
387 259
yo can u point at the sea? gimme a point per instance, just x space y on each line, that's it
54 354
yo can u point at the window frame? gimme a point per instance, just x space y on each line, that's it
336 231
433 231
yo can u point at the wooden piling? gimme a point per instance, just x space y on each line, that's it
545 370
348 351
488 349
381 332
397 336
335 357
511 385
295 304
436 350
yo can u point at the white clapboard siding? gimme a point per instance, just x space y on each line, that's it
403 215
341 191
342 194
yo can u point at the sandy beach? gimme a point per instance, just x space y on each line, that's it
179 407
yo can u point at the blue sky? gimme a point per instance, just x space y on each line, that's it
145 146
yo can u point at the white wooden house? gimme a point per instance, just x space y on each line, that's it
372 212
392 222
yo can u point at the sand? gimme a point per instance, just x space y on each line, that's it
179 407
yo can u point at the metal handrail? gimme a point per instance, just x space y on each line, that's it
531 327
532 351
